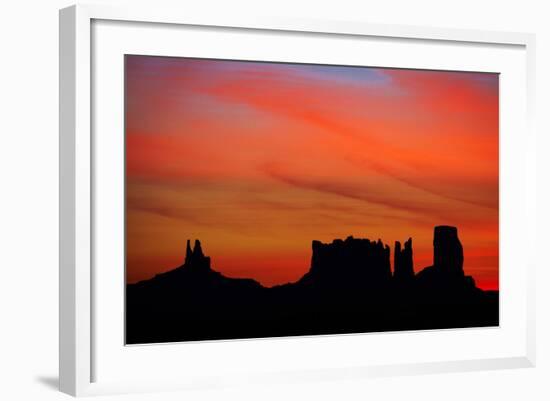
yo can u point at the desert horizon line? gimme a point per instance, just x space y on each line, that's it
399 248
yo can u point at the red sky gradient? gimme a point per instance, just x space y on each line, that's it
258 159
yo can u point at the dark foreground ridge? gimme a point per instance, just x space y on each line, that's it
350 288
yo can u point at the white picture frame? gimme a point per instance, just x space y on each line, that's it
77 368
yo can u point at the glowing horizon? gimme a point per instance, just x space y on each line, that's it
258 159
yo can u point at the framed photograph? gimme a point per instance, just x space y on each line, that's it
270 200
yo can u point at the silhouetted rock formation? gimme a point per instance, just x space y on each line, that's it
360 261
446 275
403 261
195 259
348 289
188 253
448 254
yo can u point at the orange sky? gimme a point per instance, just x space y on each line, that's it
258 159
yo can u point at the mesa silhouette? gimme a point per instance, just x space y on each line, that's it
350 288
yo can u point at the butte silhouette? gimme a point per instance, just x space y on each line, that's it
349 288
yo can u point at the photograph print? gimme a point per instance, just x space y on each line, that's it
268 199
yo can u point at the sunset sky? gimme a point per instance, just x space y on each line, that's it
258 159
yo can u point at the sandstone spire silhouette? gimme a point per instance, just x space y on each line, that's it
195 259
188 253
448 253
446 275
403 261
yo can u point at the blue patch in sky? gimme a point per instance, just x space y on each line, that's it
346 75
343 74
350 75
